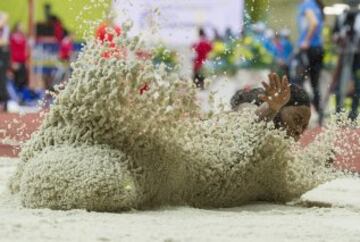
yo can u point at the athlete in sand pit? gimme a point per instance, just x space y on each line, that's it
288 106
105 147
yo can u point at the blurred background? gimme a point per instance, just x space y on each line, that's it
235 43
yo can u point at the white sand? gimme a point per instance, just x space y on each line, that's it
338 193
257 222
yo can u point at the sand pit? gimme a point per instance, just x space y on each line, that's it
256 222
106 145
342 192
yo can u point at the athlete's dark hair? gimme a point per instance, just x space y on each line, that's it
299 97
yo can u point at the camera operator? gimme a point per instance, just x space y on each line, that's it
347 36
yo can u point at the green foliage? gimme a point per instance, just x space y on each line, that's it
330 52
162 55
228 57
257 9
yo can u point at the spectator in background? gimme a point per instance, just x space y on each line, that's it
54 23
58 28
258 31
347 36
268 41
202 49
279 56
66 50
229 35
19 54
283 52
217 35
4 60
47 11
310 22
52 27
287 44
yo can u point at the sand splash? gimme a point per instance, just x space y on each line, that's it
109 144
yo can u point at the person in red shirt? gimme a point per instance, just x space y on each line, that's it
19 55
202 49
65 53
59 31
66 47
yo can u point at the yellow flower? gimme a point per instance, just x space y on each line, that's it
248 40
219 47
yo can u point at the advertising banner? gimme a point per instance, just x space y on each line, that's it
177 22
